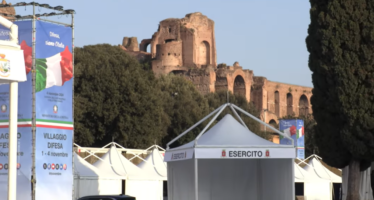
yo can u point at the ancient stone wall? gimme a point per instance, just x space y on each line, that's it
187 46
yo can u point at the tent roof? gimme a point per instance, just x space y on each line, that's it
154 164
301 175
84 169
114 162
229 132
318 169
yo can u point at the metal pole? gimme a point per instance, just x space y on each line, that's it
72 60
13 118
33 74
196 179
12 159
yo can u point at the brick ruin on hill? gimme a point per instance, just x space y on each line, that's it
187 46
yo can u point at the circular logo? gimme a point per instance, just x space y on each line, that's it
1 166
4 108
4 66
53 166
18 165
6 166
64 166
49 166
45 166
61 166
57 166
55 109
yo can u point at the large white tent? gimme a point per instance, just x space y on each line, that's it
316 168
154 164
139 183
315 188
88 180
230 162
366 192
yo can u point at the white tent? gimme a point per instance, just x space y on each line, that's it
139 183
154 164
230 162
366 192
315 188
88 180
316 168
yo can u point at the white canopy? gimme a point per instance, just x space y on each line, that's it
154 164
114 162
230 137
316 167
88 180
139 183
230 162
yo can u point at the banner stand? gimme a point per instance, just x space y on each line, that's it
44 129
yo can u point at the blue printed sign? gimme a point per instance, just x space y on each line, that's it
53 164
53 106
24 155
54 118
293 128
24 163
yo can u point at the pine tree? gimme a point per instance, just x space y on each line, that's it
341 46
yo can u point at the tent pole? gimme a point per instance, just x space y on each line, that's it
192 127
293 179
263 123
196 180
210 123
237 115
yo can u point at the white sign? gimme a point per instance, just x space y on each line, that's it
12 66
178 155
245 153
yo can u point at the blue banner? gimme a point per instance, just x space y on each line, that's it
54 108
293 128
24 163
53 164
24 88
24 156
54 119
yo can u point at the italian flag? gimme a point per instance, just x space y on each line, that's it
54 70
300 132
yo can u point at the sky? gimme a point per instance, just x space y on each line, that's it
266 36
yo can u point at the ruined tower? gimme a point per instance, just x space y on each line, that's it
184 43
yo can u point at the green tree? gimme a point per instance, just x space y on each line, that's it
309 131
220 97
341 46
115 98
184 105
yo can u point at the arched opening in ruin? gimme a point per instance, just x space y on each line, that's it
169 40
273 123
204 53
221 83
303 105
276 102
289 104
178 72
148 48
239 85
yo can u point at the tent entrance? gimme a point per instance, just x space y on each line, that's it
299 189
336 191
165 189
123 187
